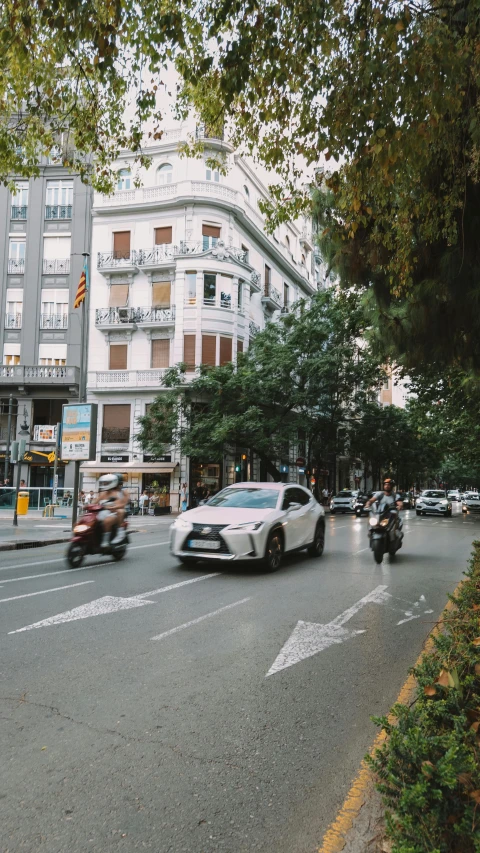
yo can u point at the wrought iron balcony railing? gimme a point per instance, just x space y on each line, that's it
271 295
54 321
155 315
13 321
59 266
16 265
109 260
58 211
253 329
146 315
18 211
157 255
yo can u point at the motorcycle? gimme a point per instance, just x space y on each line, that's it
88 534
359 505
385 532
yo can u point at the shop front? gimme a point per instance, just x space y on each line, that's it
205 477
158 480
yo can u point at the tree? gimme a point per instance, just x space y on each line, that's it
305 374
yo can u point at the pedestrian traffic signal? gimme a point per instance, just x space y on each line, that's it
238 468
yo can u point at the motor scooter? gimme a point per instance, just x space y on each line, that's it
88 534
385 533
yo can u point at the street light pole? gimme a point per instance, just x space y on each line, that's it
9 429
82 390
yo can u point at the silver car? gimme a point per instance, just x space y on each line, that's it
343 502
252 522
471 502
433 501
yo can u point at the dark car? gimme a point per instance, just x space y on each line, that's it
407 500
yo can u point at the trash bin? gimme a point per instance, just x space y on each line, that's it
22 503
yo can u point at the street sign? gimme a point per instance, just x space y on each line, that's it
300 461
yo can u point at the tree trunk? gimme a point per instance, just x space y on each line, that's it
271 468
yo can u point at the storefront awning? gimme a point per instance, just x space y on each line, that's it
129 467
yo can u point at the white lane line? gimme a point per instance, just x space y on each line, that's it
177 585
50 526
360 552
49 574
62 559
44 591
340 527
199 619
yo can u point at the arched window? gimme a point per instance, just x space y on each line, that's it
124 178
246 191
165 173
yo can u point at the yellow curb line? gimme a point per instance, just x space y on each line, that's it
334 839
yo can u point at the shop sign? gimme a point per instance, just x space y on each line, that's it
45 433
113 458
284 469
157 458
301 470
79 431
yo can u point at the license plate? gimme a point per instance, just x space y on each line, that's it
204 543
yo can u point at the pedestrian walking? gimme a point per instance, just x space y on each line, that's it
184 497
325 496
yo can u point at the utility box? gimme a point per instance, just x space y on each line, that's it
22 503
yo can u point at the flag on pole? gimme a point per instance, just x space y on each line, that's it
82 288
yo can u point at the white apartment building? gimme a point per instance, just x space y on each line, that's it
182 271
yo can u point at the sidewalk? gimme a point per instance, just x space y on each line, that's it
33 531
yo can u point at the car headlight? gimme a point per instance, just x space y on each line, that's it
373 521
248 525
444 503
181 524
80 528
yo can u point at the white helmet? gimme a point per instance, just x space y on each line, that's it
107 482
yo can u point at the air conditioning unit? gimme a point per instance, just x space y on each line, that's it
123 315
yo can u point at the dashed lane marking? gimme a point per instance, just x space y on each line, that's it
62 559
44 591
199 619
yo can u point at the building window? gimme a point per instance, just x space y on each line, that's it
246 250
118 357
16 250
287 242
118 296
56 255
14 306
210 236
191 288
163 236
239 347
209 288
189 351
20 201
124 179
212 174
240 295
161 353
52 354
11 354
286 295
268 280
209 350
161 294
165 174
386 384
59 200
54 313
303 260
116 423
121 244
246 191
225 350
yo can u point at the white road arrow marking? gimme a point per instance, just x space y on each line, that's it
308 638
108 604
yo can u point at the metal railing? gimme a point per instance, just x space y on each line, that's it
58 211
204 132
112 435
59 265
253 329
54 321
155 315
157 255
18 211
119 316
105 379
271 293
39 374
38 498
107 260
13 321
16 265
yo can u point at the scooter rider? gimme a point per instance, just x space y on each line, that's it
389 497
114 499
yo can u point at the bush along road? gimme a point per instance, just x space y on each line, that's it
429 766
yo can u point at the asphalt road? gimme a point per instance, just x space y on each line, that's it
120 733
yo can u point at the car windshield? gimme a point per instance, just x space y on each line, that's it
344 495
434 494
247 498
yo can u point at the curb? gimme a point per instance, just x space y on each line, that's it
345 833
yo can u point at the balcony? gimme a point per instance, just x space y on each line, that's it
54 321
307 240
115 435
181 189
159 256
131 380
253 329
59 266
155 317
108 262
16 265
40 374
108 318
222 301
58 211
204 132
13 321
271 298
18 211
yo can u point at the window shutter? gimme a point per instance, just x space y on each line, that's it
239 346
211 231
225 350
163 235
118 357
161 294
189 351
161 352
116 416
118 295
209 347
121 244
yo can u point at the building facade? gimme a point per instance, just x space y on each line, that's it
182 271
45 226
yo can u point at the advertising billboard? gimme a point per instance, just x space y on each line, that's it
79 431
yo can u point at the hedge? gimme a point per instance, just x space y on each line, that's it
429 766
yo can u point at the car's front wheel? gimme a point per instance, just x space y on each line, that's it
274 551
318 544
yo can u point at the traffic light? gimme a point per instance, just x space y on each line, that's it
238 468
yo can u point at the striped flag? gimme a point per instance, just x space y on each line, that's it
81 289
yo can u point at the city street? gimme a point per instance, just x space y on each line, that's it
146 706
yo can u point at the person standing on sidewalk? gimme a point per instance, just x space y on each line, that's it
184 497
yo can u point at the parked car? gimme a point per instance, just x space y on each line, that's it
471 502
454 495
343 502
435 502
252 522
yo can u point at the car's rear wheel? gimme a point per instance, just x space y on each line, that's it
274 551
318 544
